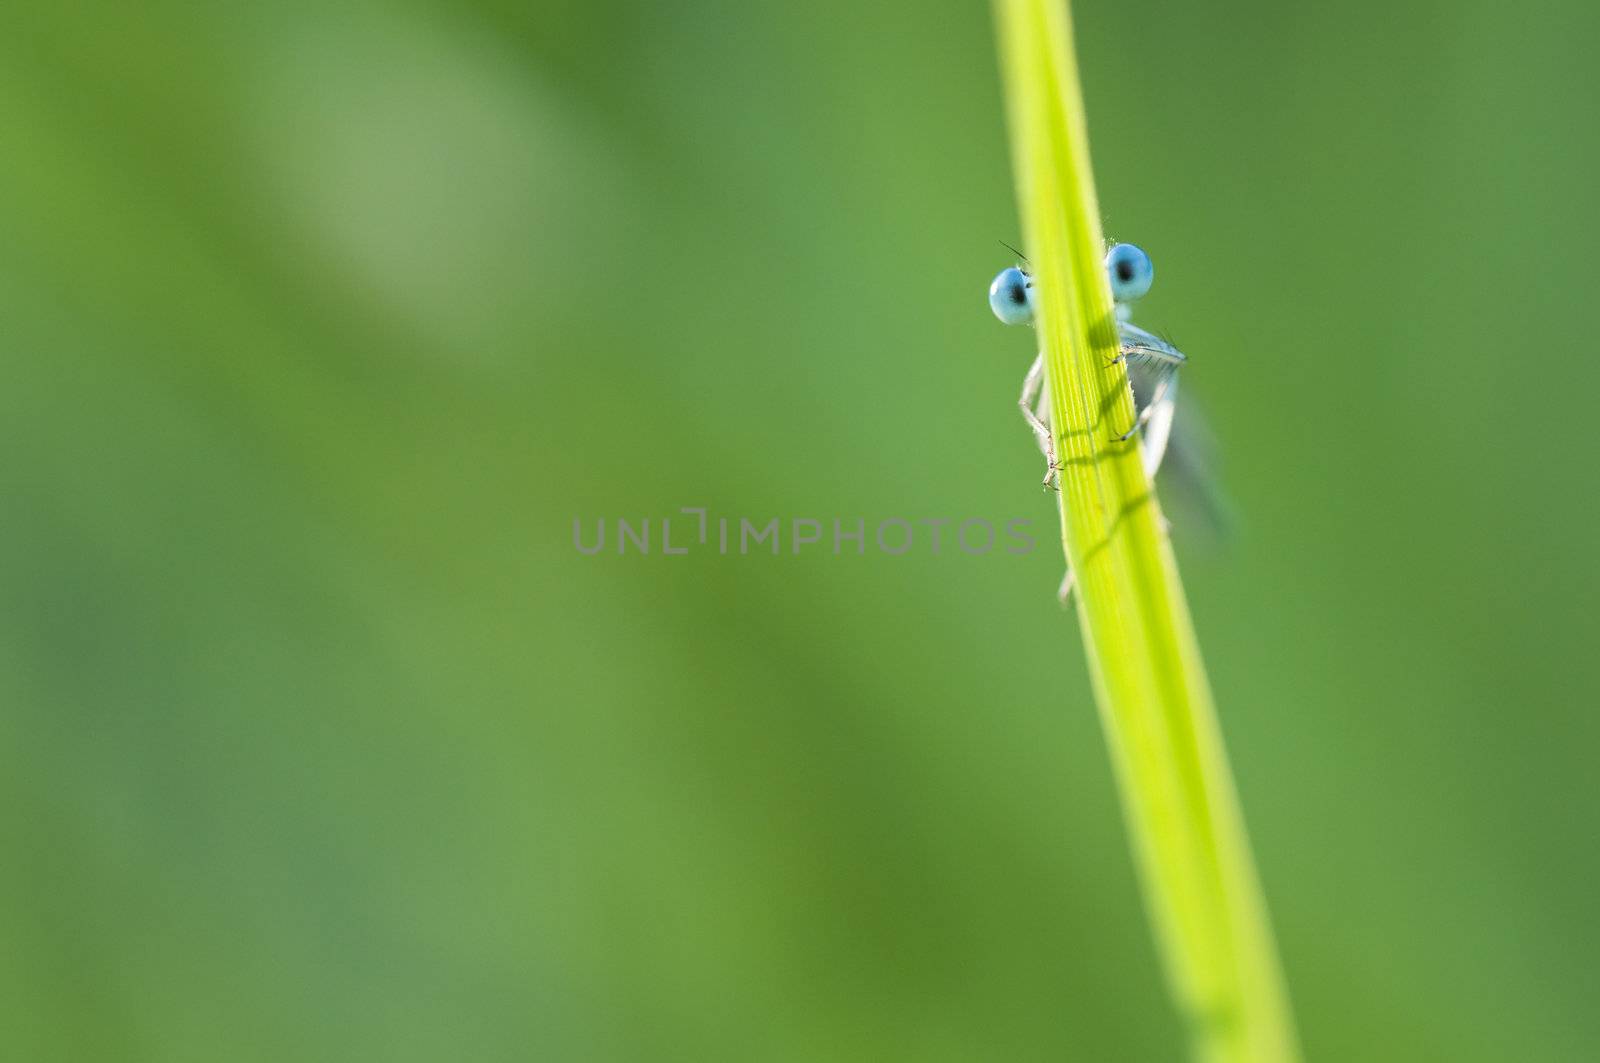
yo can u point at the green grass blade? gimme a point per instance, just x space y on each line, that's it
1155 703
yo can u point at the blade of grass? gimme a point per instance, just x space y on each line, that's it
1177 793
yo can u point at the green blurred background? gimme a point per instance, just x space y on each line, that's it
322 322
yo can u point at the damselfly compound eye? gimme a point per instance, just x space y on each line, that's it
1011 297
1131 272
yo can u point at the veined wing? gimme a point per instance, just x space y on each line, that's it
1152 365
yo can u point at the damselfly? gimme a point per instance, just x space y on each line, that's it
1152 363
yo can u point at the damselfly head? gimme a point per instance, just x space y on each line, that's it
1011 297
1130 270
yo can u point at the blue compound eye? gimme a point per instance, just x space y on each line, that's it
1011 297
1131 272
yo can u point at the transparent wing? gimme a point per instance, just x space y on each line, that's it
1153 366
1191 491
1175 442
